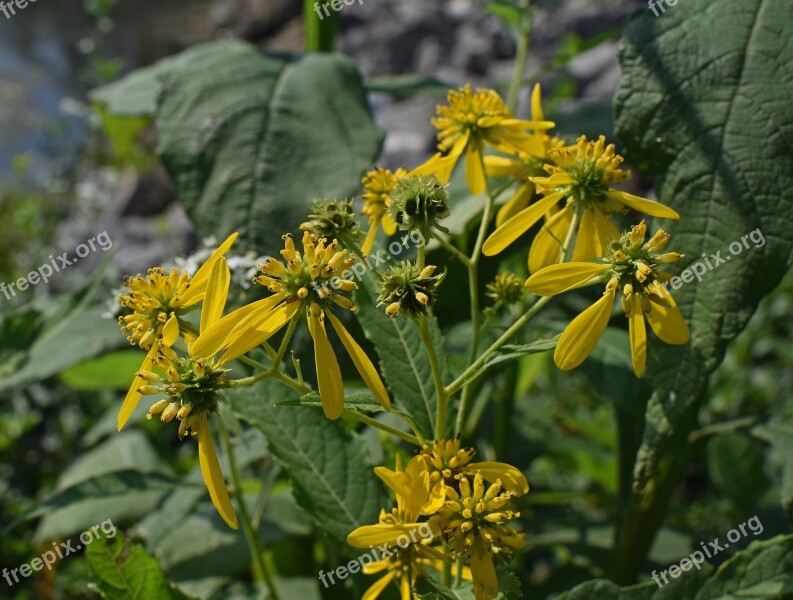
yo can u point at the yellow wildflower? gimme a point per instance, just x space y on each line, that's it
155 303
308 283
378 185
631 267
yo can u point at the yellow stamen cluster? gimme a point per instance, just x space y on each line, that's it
445 458
469 111
317 274
473 518
152 299
378 185
191 388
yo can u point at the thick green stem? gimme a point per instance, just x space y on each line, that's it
259 565
442 397
321 26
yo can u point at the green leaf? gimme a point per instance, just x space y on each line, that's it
330 468
763 570
513 352
250 139
111 371
780 436
702 112
122 131
122 570
429 589
362 403
735 465
404 361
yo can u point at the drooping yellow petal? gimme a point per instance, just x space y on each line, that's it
484 575
260 331
382 533
213 477
361 361
133 396
606 231
547 245
331 387
667 323
378 586
474 171
170 331
216 294
517 203
199 280
583 333
366 248
643 205
537 114
638 335
586 242
502 166
511 478
560 278
518 225
404 587
388 225
211 341
375 567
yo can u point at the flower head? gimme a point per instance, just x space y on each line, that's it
331 219
417 203
153 305
580 177
379 185
631 267
406 287
506 289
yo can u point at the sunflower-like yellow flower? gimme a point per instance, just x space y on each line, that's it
191 386
581 177
401 533
378 185
629 266
473 522
528 162
309 283
154 304
446 459
470 121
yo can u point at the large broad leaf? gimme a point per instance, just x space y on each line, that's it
704 107
780 435
330 467
122 570
251 139
763 570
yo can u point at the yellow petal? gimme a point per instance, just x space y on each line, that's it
378 586
331 387
518 225
474 171
547 245
501 166
199 280
643 205
586 242
376 567
638 335
606 232
563 277
383 533
213 478
361 362
388 225
366 248
483 572
537 113
515 204
404 587
667 323
170 331
133 396
259 331
216 294
211 341
511 478
583 333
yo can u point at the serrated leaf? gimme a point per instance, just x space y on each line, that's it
330 468
703 106
122 570
362 403
250 139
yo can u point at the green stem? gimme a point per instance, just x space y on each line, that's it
259 565
321 27
420 251
452 248
443 398
523 43
383 427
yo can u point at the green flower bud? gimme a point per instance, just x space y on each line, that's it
418 202
505 289
332 219
409 288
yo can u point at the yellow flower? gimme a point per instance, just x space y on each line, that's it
378 185
155 303
470 121
445 459
400 533
308 283
631 267
191 388
580 176
473 522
